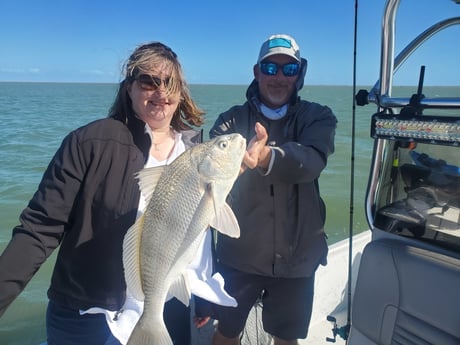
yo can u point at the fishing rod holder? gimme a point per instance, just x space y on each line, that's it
337 331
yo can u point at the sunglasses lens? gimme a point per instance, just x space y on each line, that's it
290 69
150 82
146 82
269 68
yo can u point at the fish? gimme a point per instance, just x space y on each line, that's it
183 199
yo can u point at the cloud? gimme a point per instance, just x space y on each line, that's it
20 70
96 72
13 70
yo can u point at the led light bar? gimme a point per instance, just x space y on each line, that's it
441 130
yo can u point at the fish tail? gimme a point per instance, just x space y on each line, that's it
150 334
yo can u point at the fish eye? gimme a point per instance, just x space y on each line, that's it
223 144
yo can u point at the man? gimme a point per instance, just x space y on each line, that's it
276 201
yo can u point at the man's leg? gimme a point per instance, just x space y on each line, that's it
287 308
246 289
279 341
219 339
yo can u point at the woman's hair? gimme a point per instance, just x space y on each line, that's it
144 58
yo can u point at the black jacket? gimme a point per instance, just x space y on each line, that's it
281 214
86 201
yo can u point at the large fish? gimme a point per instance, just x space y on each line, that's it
183 199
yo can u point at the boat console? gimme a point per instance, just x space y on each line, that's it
409 277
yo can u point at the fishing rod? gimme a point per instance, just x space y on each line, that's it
352 174
344 331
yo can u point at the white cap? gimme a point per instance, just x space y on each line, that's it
279 44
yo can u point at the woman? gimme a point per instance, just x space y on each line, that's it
88 198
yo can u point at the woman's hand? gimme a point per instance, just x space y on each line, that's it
200 321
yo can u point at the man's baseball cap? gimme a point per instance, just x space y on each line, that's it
279 44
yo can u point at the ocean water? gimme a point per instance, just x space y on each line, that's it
36 116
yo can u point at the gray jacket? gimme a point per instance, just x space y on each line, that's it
281 215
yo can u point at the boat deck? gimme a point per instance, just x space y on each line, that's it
329 300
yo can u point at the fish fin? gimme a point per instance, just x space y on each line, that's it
131 259
148 179
226 223
216 192
153 332
213 191
181 289
224 219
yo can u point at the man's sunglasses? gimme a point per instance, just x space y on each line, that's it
289 69
150 82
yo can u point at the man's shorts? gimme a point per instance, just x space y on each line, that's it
287 304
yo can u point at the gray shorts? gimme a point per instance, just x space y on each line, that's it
287 304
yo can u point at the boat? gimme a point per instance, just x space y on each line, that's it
399 281
403 279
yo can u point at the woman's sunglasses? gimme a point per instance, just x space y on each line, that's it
289 69
150 82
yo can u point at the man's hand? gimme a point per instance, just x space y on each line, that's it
257 153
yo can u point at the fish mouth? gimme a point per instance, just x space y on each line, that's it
241 141
243 144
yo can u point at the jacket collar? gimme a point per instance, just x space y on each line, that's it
141 139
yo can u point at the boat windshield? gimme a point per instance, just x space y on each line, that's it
419 195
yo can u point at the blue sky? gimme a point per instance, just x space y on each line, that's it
217 41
